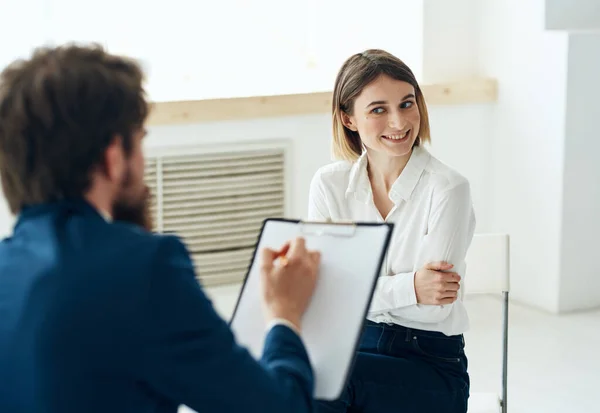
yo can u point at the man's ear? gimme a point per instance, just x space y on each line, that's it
114 160
348 122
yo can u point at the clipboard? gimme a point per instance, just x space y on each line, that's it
352 255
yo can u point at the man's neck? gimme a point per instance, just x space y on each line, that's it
101 204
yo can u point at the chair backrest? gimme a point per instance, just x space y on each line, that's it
488 264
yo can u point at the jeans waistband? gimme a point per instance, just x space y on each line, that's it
397 328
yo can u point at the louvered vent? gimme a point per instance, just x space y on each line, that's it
216 203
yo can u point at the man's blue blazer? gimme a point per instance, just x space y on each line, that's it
104 317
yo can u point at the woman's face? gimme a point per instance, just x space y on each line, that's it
386 116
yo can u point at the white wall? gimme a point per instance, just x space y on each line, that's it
461 139
580 277
23 24
450 40
545 173
232 47
527 132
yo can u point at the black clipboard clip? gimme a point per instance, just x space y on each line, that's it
328 227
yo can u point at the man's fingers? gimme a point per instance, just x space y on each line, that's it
315 257
447 301
297 247
284 249
267 256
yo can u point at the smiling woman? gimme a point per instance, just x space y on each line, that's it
412 346
395 119
385 103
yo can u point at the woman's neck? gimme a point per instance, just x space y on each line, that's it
384 170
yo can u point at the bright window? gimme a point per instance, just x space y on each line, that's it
198 49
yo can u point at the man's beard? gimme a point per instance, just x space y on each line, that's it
135 211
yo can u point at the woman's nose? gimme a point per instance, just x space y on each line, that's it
395 120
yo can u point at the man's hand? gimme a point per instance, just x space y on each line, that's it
289 284
435 285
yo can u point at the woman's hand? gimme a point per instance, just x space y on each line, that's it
435 285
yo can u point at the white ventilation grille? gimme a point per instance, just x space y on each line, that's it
216 202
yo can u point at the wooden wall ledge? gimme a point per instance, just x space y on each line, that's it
195 111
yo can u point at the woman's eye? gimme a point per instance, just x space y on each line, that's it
377 111
406 105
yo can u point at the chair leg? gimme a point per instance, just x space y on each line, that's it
505 353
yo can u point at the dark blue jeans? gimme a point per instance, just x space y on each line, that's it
405 370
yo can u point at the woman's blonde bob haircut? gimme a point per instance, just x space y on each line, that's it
356 73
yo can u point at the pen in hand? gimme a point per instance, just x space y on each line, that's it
282 255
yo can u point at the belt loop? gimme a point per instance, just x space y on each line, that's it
407 338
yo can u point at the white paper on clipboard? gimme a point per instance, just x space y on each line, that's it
351 258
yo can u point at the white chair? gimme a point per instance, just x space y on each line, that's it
488 272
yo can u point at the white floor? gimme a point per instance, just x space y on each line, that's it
554 361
